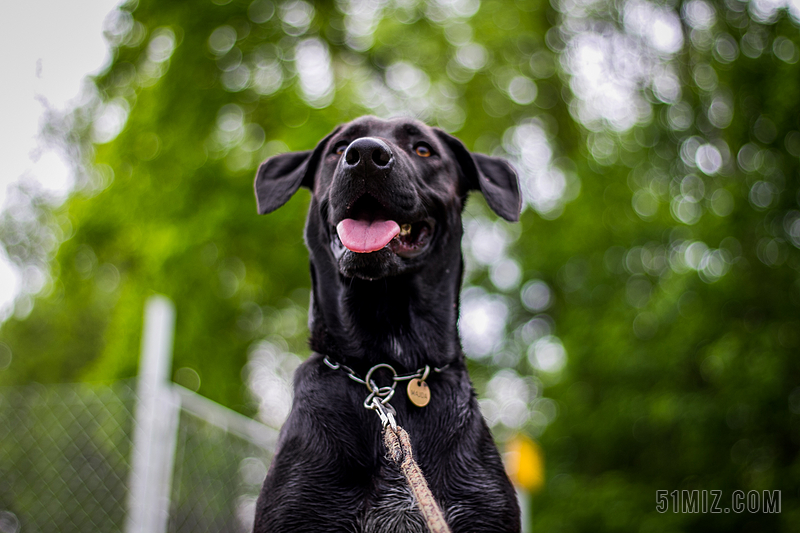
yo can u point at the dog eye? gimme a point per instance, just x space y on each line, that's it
423 150
340 147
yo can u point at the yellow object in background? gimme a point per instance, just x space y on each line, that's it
524 463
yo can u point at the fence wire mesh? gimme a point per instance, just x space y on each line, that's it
217 479
64 451
65 464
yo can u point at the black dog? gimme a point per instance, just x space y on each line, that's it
384 235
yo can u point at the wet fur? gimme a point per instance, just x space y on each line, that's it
330 472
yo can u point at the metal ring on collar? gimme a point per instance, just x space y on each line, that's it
383 400
368 402
376 367
425 373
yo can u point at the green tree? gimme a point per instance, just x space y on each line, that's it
642 320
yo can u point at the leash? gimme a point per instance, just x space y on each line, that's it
395 438
398 444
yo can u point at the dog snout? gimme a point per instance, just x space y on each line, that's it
376 154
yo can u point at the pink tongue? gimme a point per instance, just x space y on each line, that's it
363 237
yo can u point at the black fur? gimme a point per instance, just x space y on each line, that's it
330 472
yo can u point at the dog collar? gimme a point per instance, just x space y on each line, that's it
378 398
395 438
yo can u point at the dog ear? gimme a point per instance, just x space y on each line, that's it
493 176
279 177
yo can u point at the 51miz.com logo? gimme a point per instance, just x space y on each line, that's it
711 501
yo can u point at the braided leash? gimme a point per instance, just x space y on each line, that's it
396 439
398 446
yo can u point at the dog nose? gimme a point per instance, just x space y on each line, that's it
374 152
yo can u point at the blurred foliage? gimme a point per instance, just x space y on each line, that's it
647 305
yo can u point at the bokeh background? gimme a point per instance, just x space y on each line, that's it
641 323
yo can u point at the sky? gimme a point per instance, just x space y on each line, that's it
47 47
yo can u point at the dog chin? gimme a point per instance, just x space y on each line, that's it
375 265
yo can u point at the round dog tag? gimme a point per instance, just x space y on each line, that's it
418 392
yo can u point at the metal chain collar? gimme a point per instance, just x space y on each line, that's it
378 398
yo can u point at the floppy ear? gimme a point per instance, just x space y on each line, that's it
279 177
493 176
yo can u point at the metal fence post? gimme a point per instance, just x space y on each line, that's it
156 424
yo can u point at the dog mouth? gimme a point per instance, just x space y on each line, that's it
368 227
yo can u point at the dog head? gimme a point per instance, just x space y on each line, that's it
387 195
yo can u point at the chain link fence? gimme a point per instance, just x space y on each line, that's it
64 453
65 461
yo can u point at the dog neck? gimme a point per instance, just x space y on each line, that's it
409 320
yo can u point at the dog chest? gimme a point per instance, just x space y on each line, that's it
392 508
